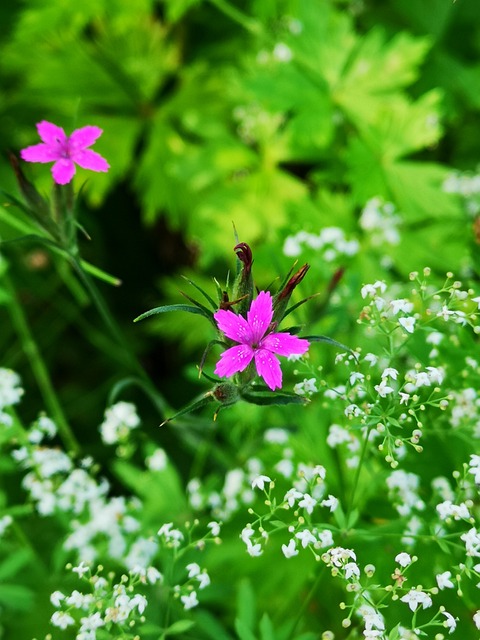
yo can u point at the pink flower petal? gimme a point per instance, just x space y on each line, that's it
39 153
233 326
268 367
84 137
63 171
51 134
234 360
88 159
260 315
285 344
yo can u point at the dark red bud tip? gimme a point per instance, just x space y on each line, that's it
294 280
337 276
244 254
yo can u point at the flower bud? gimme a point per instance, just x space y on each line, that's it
281 299
243 285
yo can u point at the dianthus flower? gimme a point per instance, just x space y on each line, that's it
256 342
66 151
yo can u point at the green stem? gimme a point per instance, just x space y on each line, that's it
237 16
39 368
306 603
116 333
357 477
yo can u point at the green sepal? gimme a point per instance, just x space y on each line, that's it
174 307
45 222
206 399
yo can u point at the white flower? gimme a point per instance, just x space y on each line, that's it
443 580
403 559
260 481
383 389
246 534
254 550
203 580
351 569
450 622
414 598
5 522
92 622
56 598
119 420
390 372
472 542
189 601
325 538
306 537
291 496
81 569
371 289
61 619
214 528
290 550
408 323
331 502
153 575
476 618
193 569
401 305
157 461
308 503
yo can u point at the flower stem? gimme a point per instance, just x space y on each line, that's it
116 333
357 477
39 368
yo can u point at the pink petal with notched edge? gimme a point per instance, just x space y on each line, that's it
84 137
39 153
50 133
63 171
268 367
88 159
233 326
234 360
285 344
260 315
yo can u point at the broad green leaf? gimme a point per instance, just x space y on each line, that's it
267 632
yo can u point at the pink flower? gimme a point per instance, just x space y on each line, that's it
255 342
65 150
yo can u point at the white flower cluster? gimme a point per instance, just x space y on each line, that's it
119 421
330 242
466 185
389 309
115 607
10 394
380 220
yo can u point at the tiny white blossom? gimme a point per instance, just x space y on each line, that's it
390 372
415 598
56 598
193 569
203 580
254 550
408 323
308 503
62 619
476 618
331 502
383 389
443 580
81 569
189 601
214 528
290 550
260 481
450 623
306 537
403 559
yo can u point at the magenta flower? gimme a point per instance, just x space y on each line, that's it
66 151
255 342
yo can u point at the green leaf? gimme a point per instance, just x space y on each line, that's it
16 597
267 632
265 398
246 611
204 293
180 626
13 563
174 307
328 340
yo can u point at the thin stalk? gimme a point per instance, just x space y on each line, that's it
306 602
116 333
357 476
39 368
237 16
